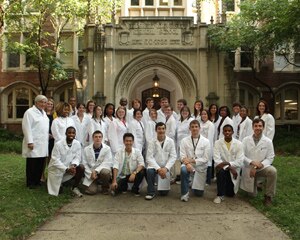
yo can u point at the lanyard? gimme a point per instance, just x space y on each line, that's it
195 146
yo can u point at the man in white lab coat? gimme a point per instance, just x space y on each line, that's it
229 158
35 126
194 155
65 164
128 167
259 156
97 160
161 156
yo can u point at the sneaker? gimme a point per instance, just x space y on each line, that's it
113 193
137 194
178 182
149 196
219 199
185 197
76 191
267 201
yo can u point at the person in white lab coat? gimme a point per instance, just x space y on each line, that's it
35 126
128 167
62 122
263 112
161 156
224 113
229 159
90 105
146 112
65 164
161 117
136 127
179 105
109 117
170 122
244 128
259 156
135 104
194 154
150 133
236 118
97 160
198 107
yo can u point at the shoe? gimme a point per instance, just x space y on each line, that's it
149 196
112 193
219 199
267 201
185 197
137 194
61 190
105 191
178 182
76 191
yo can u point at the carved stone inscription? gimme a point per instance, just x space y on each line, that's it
155 34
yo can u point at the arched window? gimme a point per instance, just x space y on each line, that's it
287 104
248 97
63 93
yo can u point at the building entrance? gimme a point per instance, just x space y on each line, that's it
150 93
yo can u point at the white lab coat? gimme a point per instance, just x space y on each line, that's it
235 156
93 126
115 132
146 116
269 129
171 127
263 152
236 119
201 156
81 128
150 132
138 130
216 124
136 159
104 161
182 131
207 130
245 129
59 126
107 122
35 126
61 158
161 117
226 121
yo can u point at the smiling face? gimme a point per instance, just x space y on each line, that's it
66 111
258 128
261 108
227 132
243 112
121 113
98 112
41 104
204 116
138 115
70 133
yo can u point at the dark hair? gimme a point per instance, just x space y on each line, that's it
207 112
195 110
267 110
71 127
80 104
160 124
258 120
182 109
60 107
217 112
136 100
149 99
128 135
106 107
183 101
97 132
228 125
227 110
163 99
135 112
236 104
195 122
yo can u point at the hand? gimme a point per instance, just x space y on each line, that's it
30 146
72 170
257 164
114 185
94 175
185 161
162 172
233 172
131 178
252 172
189 168
222 164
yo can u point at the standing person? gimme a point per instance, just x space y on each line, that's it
161 156
65 164
109 117
128 167
224 113
50 115
194 154
35 126
244 128
198 107
208 131
72 102
229 157
81 121
62 122
259 156
146 112
170 122
136 127
116 130
236 118
136 104
90 108
214 117
97 123
180 104
97 160
150 133
123 102
263 112
161 117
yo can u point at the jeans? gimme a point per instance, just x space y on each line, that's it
185 180
123 183
151 174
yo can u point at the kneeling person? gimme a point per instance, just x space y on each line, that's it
97 160
161 156
128 167
65 164
229 158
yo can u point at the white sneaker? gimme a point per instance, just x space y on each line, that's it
76 191
149 196
219 199
185 197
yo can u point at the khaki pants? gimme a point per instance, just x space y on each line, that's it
270 174
104 177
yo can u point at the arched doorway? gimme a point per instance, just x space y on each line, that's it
149 93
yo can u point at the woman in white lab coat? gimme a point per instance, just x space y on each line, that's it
207 130
224 113
116 130
262 110
150 132
244 128
136 127
90 105
35 126
62 122
109 116
198 107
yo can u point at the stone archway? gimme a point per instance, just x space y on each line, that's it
136 76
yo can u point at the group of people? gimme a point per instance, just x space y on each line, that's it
115 150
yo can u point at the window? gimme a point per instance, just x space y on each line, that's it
163 2
248 97
229 5
67 48
177 2
286 105
245 59
80 50
18 100
149 2
64 92
297 56
13 59
135 2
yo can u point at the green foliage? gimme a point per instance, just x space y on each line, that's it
23 210
10 142
287 141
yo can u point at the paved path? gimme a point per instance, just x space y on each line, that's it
129 217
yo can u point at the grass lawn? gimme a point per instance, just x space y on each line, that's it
22 210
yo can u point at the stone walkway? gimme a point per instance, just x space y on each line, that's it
129 217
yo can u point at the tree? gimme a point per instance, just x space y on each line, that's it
261 28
